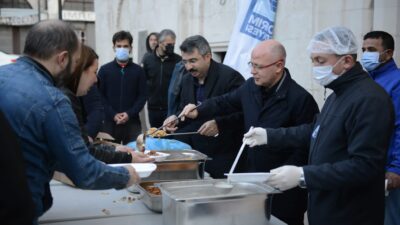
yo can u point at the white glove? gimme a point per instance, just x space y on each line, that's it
255 136
285 177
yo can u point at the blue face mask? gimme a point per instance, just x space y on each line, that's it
122 54
370 60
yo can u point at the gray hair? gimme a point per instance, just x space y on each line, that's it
49 37
165 33
195 42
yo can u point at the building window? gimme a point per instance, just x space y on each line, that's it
80 5
23 4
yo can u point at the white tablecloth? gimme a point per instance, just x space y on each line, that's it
74 206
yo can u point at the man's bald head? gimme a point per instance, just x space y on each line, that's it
49 37
270 49
268 63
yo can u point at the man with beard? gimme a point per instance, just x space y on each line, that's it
158 68
43 120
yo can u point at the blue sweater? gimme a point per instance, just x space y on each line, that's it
123 89
388 76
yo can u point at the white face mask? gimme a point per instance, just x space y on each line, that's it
324 75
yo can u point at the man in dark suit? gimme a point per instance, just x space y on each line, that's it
209 79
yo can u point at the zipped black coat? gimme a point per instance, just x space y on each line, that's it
348 144
158 73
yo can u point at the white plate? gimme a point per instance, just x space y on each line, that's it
142 169
161 156
248 177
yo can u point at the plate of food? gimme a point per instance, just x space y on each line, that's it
142 169
157 156
248 177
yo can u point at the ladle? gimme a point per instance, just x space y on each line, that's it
226 187
237 158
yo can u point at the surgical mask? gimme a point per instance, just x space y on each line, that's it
324 75
122 54
370 60
169 49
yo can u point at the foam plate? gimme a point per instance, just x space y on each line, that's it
142 169
248 177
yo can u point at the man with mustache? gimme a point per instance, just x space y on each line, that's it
207 79
43 120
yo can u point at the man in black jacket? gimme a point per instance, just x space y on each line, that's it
347 142
270 99
208 79
158 67
123 87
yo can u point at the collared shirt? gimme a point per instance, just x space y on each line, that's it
199 91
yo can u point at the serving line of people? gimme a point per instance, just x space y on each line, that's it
346 143
336 157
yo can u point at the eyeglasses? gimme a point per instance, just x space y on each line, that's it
259 67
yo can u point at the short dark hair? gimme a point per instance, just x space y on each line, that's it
122 35
387 39
49 37
195 42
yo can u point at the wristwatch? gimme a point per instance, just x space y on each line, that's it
302 181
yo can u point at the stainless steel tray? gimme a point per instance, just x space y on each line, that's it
180 165
152 201
183 155
207 190
198 203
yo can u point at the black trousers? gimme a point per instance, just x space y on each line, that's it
289 206
123 133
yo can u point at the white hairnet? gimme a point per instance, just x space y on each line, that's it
334 40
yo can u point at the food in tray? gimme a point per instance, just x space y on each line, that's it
157 156
152 153
153 190
156 133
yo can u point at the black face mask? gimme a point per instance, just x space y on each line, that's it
169 49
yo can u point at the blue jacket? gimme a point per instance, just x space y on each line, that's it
123 89
388 76
49 134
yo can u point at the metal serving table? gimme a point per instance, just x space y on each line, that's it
74 206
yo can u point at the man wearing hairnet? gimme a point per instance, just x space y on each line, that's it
347 141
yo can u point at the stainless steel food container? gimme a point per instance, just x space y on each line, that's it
201 202
179 165
152 201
